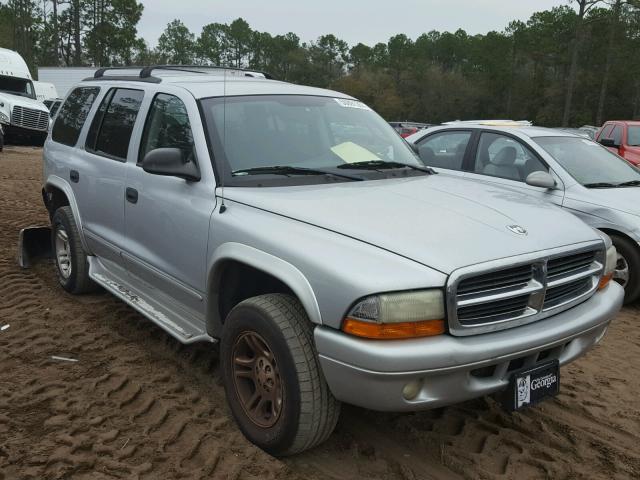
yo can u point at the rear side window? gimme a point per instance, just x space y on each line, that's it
111 129
73 114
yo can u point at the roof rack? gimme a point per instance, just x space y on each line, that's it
493 123
145 72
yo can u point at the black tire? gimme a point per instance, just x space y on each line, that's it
308 412
1 140
629 252
77 281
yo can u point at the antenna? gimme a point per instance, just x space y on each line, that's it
223 207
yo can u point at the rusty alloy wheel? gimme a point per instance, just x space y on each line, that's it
256 379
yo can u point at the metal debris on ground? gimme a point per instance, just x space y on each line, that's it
4 327
63 359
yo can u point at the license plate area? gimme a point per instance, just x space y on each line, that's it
530 385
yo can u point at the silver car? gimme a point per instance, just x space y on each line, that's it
294 227
551 165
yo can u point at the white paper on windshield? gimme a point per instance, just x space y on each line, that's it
352 152
347 103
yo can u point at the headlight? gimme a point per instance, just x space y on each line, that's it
4 118
609 266
397 315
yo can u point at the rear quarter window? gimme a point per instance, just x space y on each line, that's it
73 114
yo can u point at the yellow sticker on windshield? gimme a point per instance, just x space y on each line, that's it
352 153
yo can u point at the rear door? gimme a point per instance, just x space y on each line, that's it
167 218
102 171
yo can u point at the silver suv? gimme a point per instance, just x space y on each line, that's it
294 227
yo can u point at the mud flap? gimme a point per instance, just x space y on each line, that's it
34 243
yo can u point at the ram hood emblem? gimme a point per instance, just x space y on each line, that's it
517 229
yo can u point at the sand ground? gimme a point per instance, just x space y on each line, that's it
137 404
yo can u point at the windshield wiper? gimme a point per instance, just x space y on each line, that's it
289 170
382 164
601 185
630 183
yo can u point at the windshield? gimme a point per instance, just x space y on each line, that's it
587 162
634 136
305 132
17 86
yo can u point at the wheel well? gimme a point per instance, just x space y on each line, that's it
54 198
234 282
610 232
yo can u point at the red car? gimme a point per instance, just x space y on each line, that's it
622 137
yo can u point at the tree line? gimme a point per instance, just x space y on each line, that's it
575 64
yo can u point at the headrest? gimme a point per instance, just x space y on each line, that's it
506 156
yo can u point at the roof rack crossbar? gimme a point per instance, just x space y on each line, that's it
145 72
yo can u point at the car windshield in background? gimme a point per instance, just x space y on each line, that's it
633 139
17 86
284 134
589 163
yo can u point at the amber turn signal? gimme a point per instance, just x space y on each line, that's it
604 281
392 331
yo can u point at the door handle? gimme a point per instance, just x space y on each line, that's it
74 176
132 195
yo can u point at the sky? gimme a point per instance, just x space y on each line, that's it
354 21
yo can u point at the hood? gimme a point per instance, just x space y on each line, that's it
12 100
621 199
439 221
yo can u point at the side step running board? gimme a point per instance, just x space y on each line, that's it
181 325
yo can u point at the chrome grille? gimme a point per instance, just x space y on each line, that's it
29 118
496 295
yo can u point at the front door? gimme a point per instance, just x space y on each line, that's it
167 218
504 160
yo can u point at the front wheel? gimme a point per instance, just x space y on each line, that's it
627 271
272 377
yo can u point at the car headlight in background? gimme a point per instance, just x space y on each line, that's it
392 316
4 118
609 266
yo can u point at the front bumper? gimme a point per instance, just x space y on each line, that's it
447 369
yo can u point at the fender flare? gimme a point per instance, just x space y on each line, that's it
61 184
260 260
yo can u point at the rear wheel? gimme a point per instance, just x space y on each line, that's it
272 377
72 267
627 271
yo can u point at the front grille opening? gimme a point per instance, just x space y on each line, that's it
570 264
484 372
510 278
516 364
545 354
493 311
567 292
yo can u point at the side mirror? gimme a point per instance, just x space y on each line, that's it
541 179
609 142
170 162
